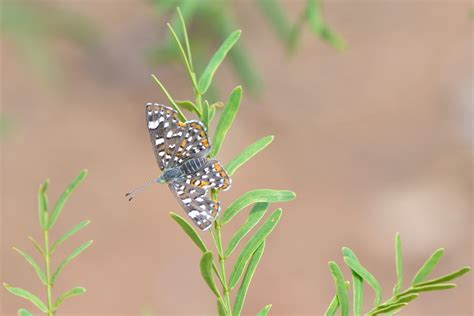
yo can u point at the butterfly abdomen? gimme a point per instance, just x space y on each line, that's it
193 165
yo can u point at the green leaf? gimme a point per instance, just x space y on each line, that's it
43 205
218 57
389 308
398 264
341 290
333 307
185 57
189 106
73 255
37 246
170 98
252 245
429 288
251 197
212 112
447 277
428 266
244 286
221 310
276 16
401 299
26 295
64 237
369 278
33 263
225 121
190 231
248 153
206 272
72 292
24 312
265 310
255 215
357 284
334 304
185 34
64 197
317 25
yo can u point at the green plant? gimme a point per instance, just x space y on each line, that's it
249 257
399 298
213 20
47 219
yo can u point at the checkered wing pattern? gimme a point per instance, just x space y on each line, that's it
173 141
165 133
197 205
211 176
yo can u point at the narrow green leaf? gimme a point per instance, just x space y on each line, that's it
276 16
64 237
24 312
252 245
248 153
64 197
428 288
206 272
333 307
334 304
227 118
170 98
43 205
428 266
357 284
185 57
33 263
369 278
341 290
398 264
255 215
244 286
221 310
251 197
265 310
186 37
406 298
447 277
73 255
27 296
190 231
389 308
37 246
189 106
218 57
212 112
72 292
319 28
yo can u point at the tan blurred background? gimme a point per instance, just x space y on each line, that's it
374 140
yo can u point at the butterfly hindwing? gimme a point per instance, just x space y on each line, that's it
212 175
197 205
193 143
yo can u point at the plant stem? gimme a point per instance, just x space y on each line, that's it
220 251
48 272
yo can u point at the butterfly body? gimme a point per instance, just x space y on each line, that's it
181 150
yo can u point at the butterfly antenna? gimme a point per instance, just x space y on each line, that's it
133 193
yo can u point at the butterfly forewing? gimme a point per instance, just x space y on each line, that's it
197 205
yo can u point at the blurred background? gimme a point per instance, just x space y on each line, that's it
372 115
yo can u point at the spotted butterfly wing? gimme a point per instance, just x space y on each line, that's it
195 202
212 175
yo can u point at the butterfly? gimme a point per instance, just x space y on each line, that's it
181 150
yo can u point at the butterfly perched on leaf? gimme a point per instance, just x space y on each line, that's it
181 150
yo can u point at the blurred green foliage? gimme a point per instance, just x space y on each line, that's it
30 25
212 20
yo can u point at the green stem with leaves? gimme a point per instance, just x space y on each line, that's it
48 272
249 257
